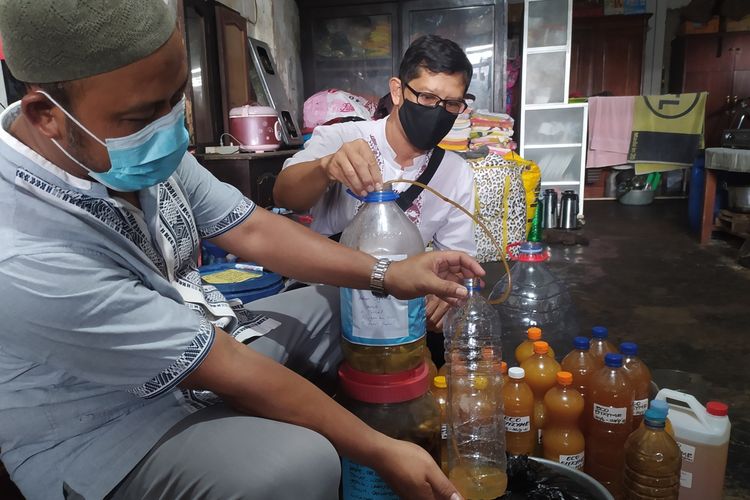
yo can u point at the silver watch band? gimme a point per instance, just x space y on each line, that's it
377 278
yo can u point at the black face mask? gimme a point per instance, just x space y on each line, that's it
425 126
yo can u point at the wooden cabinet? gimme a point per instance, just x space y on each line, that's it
718 64
607 54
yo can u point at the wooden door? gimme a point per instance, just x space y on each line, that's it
234 61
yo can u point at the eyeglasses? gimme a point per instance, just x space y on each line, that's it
454 106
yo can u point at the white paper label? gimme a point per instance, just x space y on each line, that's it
444 432
686 479
517 424
573 461
539 436
610 414
688 452
640 406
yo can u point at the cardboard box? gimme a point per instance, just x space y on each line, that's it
691 28
739 25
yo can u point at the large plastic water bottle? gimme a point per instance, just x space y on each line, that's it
382 335
476 448
536 299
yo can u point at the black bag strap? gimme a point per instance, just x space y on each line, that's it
406 198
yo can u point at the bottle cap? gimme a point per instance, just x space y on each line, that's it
384 388
717 409
629 348
516 373
541 347
613 360
440 382
582 343
473 284
655 418
564 378
481 383
661 406
532 252
599 332
503 367
381 196
534 333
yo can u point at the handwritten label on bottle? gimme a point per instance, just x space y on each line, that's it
686 479
573 461
517 424
610 414
688 452
640 406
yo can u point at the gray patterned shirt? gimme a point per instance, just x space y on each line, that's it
103 314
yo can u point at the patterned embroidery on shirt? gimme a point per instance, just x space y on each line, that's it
234 218
121 221
177 225
181 368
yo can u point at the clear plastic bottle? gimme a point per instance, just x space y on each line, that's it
440 393
581 364
541 375
600 346
526 348
518 405
476 447
640 377
652 461
382 335
563 440
537 298
610 422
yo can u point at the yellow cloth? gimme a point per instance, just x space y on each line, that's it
531 175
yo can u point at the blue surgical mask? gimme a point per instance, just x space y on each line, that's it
143 159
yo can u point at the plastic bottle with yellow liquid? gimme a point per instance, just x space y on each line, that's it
600 346
440 393
518 405
541 375
610 422
652 461
640 377
526 348
581 364
563 440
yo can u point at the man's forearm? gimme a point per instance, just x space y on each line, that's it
300 186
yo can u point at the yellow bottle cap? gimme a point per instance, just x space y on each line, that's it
541 347
440 382
481 383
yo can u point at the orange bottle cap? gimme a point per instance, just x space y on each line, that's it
564 378
481 383
440 382
534 333
541 347
503 367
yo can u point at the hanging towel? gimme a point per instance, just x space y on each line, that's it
667 131
610 125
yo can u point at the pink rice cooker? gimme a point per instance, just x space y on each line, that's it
257 128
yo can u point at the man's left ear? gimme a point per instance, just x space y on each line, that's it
396 94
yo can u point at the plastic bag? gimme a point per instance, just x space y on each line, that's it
535 481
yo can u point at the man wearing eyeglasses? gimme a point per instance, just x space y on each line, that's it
428 95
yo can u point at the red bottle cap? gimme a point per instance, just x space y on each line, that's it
384 388
717 409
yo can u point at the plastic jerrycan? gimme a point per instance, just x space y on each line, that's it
703 436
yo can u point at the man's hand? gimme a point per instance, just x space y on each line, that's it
354 165
435 309
413 474
436 273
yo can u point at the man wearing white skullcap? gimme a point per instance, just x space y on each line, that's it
122 375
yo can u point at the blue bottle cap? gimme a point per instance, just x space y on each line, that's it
581 343
531 247
613 360
599 332
661 406
380 196
629 348
655 418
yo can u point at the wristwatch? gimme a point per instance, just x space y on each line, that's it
377 278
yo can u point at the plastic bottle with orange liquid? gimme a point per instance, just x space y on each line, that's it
600 346
526 348
518 402
440 393
541 372
581 364
610 421
563 440
640 377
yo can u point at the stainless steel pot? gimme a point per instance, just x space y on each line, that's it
739 198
